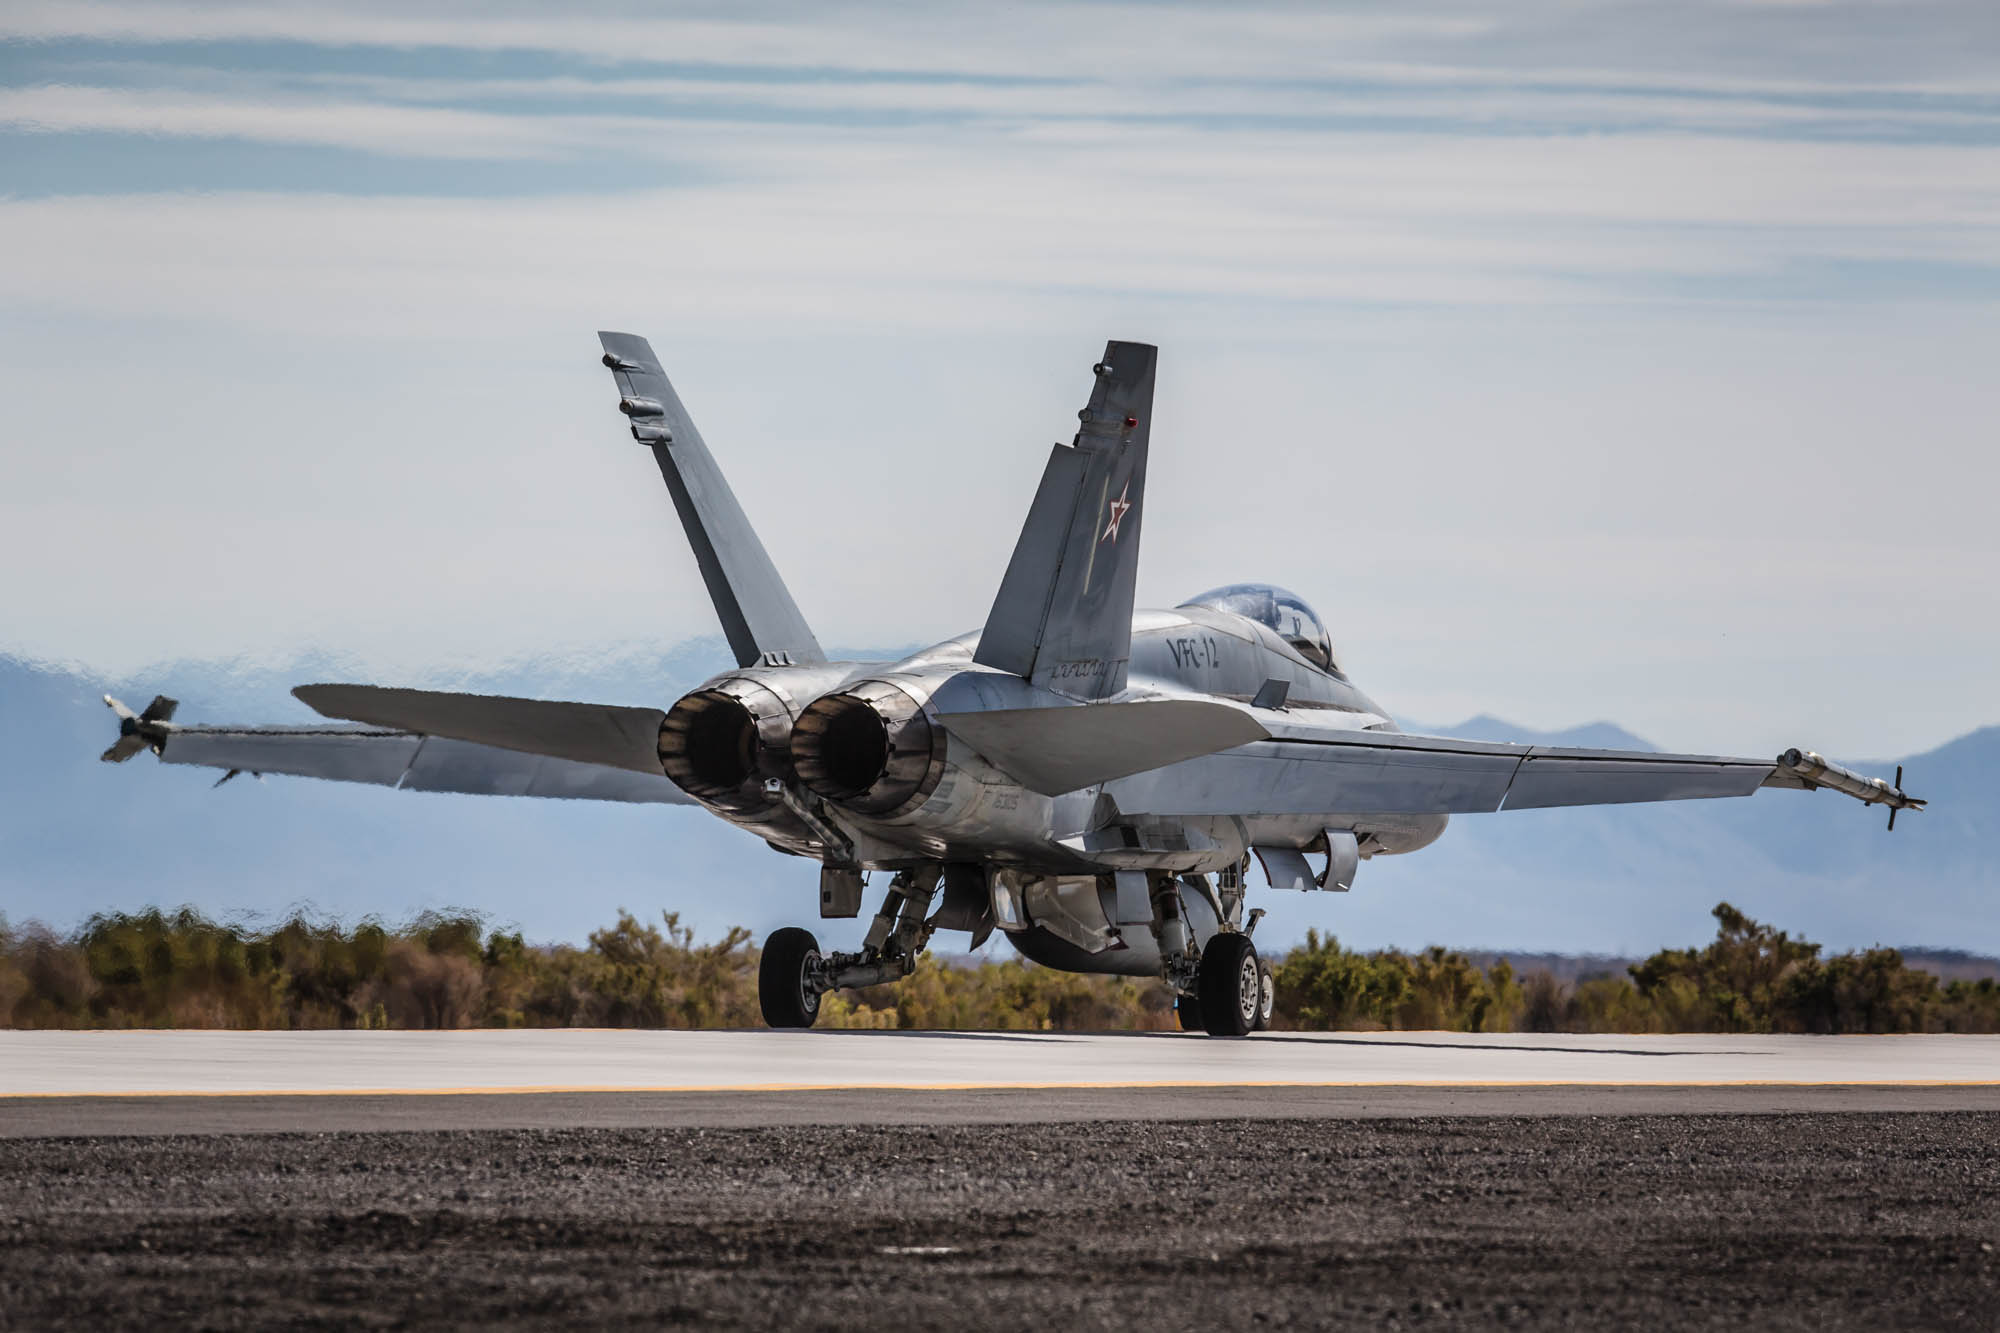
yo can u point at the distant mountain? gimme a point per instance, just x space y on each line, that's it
1590 736
78 836
1944 964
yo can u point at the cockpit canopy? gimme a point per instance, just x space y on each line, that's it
1283 612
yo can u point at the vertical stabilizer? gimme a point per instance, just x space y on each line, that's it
1063 617
758 616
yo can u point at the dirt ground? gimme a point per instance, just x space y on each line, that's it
1800 1220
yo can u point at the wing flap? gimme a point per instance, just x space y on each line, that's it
460 766
341 754
1056 750
1550 778
602 734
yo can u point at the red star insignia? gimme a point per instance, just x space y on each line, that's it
1119 508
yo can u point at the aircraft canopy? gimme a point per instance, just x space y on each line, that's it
1286 613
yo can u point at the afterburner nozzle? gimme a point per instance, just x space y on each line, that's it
721 743
868 749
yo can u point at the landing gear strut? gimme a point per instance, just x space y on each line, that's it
1227 990
794 974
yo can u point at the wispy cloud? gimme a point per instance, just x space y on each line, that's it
1634 278
1024 38
841 229
1429 154
1938 45
371 126
558 106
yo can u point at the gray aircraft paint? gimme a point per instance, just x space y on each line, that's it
1063 617
1071 745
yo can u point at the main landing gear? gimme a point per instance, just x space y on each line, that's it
788 978
1233 991
1225 989
793 974
1230 985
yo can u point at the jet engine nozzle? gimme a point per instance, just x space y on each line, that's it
719 744
868 749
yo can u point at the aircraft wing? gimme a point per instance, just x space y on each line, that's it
1369 772
407 760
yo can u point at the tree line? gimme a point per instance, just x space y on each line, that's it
448 970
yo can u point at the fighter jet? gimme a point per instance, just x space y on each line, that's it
1089 779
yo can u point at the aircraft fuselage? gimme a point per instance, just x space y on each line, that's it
967 808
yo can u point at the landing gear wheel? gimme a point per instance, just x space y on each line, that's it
784 984
1267 997
1188 1009
1231 985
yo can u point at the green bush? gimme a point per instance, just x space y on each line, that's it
1323 985
445 970
1750 978
179 969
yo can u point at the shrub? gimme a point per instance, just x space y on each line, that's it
445 970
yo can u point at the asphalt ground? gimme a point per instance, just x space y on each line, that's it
1806 1219
291 1113
821 1180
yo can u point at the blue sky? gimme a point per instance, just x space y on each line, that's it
1578 360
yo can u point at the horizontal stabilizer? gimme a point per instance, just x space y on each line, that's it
616 737
1055 750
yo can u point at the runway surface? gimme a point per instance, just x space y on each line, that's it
940 1180
96 1063
207 1082
1806 1221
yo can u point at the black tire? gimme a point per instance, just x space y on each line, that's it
782 990
1188 1009
1231 985
1267 996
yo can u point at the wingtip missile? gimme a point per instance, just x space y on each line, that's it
1816 770
139 731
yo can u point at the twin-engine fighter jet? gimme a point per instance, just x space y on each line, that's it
1091 780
